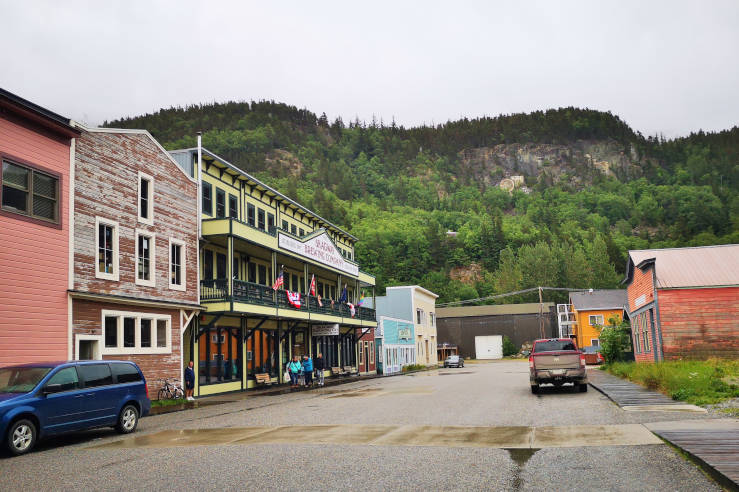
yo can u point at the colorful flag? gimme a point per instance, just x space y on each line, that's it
361 299
293 298
344 295
279 282
313 285
351 308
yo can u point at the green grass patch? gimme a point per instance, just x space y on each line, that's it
413 367
167 403
692 381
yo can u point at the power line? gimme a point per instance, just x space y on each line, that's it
507 294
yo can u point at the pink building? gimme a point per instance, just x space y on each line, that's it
36 149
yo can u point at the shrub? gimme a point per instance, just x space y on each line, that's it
509 348
413 367
615 339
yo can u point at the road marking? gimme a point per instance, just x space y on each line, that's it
399 435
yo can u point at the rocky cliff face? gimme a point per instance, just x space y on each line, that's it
576 161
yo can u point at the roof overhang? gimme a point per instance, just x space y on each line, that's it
37 114
135 301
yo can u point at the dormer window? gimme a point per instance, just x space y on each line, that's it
146 199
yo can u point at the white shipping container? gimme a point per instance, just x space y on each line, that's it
489 347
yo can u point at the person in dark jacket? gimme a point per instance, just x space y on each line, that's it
189 380
308 370
319 365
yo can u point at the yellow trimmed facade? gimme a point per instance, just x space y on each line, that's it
249 234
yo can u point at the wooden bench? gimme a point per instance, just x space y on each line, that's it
264 379
348 370
336 371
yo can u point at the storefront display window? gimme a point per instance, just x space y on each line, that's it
219 355
263 347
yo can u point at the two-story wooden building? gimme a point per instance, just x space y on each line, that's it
593 309
250 234
36 148
135 223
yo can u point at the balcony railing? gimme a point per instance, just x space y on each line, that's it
264 295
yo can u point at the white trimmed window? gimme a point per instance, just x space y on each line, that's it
145 258
595 319
146 198
419 316
432 319
136 333
176 264
106 249
594 342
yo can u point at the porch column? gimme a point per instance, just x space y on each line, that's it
229 267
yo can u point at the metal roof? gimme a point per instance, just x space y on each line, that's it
598 299
491 310
51 119
414 287
704 266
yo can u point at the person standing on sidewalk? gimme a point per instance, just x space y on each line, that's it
319 366
189 381
308 370
294 367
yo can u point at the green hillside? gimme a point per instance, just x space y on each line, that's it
593 188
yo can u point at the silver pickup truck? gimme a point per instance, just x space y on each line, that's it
557 361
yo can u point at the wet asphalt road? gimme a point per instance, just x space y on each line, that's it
494 394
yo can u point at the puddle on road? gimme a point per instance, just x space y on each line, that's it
455 373
520 457
370 392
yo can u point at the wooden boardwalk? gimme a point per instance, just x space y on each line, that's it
626 393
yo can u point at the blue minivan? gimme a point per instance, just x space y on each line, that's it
47 398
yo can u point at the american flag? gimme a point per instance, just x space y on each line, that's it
279 282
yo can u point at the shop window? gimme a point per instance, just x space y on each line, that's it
106 245
30 192
220 203
219 357
135 333
146 199
233 206
262 352
145 258
207 198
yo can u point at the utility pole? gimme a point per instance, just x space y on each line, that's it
541 314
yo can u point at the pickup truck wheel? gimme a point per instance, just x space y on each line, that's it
535 389
584 388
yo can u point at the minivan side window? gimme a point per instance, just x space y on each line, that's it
66 377
95 375
125 373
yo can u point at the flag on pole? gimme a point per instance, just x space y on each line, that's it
361 299
344 295
293 298
279 282
313 285
351 308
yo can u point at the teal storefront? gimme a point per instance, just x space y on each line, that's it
395 346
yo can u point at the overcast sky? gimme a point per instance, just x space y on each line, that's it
669 67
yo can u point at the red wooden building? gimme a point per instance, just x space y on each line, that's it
35 155
135 252
684 302
366 357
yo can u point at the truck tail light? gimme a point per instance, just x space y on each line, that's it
582 360
531 361
146 387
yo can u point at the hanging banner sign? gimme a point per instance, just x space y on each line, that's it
326 330
320 249
404 333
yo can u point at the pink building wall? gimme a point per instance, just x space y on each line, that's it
34 257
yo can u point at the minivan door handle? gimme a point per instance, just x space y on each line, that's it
79 396
90 394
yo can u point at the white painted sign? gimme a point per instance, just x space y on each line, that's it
640 300
326 330
319 248
404 333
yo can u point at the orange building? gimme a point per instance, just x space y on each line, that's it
593 309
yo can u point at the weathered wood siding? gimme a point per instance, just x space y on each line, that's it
34 258
700 323
106 185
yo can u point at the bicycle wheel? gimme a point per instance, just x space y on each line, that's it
178 393
163 394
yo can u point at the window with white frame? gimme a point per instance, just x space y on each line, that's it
419 316
176 264
106 249
594 342
136 333
432 319
596 319
145 258
146 198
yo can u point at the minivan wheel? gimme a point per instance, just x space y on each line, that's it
535 389
583 388
21 437
128 420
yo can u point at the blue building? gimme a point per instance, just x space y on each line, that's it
394 339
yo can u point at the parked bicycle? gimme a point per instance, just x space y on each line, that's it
171 390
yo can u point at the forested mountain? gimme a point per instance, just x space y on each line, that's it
592 189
